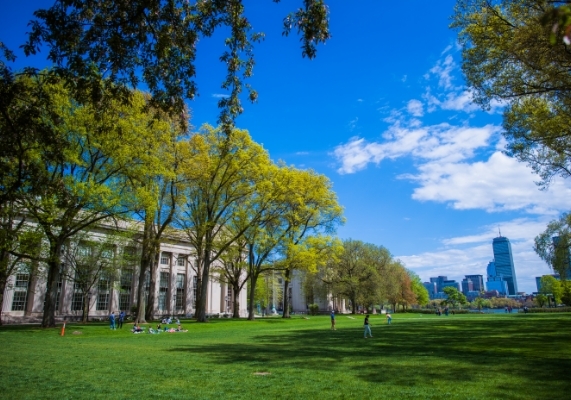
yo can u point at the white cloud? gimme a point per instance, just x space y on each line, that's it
302 153
499 183
443 71
220 95
443 142
415 108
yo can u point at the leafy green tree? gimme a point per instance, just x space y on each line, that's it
551 286
454 297
357 273
480 302
420 292
541 300
155 41
508 59
85 184
89 258
232 170
556 252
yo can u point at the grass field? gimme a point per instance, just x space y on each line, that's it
511 356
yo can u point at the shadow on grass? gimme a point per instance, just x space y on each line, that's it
501 353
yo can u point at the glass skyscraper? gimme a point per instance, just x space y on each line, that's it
504 263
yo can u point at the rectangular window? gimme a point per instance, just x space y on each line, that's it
180 278
77 302
163 290
103 295
165 258
126 285
181 261
20 292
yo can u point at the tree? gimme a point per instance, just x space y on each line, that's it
357 273
233 173
551 287
156 41
85 184
420 292
508 58
553 245
541 299
480 302
90 258
454 297
311 213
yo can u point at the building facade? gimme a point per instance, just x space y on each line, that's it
504 264
175 292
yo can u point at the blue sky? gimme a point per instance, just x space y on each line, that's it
383 111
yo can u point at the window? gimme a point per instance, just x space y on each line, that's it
181 261
126 285
103 295
20 292
77 302
163 290
165 258
179 303
77 299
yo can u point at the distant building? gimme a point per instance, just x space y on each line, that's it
430 288
477 282
504 264
438 281
467 285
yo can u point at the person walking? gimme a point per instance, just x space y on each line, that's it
389 318
332 320
367 327
121 319
112 320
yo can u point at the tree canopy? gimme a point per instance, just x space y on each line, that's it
155 42
509 59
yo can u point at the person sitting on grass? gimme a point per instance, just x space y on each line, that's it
137 328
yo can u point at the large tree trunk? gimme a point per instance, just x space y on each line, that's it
353 305
201 306
54 265
236 303
286 294
150 308
3 281
85 311
251 300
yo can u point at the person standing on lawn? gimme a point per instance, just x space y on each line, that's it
121 318
367 327
332 320
112 320
389 318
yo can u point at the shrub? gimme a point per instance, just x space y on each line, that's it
313 309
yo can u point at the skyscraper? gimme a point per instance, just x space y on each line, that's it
504 262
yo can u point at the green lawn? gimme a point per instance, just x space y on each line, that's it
512 356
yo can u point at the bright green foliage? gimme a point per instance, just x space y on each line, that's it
81 177
358 273
541 300
508 58
156 41
232 175
551 286
311 212
420 292
480 302
556 253
454 297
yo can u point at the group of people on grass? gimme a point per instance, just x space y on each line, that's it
367 325
139 329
